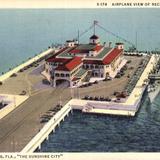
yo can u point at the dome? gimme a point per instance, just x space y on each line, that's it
94 37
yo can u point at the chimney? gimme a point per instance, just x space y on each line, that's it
110 43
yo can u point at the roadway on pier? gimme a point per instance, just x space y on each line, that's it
19 127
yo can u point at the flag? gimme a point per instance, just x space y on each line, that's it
95 22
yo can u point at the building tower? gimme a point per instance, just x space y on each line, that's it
94 39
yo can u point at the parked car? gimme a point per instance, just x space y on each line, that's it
13 75
23 92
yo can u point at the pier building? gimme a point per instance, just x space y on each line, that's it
76 63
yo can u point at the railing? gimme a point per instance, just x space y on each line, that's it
47 129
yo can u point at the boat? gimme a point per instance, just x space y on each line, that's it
153 90
154 85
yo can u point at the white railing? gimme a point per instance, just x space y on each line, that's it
47 129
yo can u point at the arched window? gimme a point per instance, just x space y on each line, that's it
57 74
96 66
62 74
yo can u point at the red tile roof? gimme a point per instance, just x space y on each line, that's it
70 65
52 57
112 55
75 79
107 60
97 48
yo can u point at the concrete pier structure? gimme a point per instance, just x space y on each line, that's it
21 66
47 129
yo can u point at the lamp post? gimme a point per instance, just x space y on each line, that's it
14 144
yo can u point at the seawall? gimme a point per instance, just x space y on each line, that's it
21 66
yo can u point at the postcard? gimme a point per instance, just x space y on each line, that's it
79 79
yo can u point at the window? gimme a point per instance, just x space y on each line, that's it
96 66
57 74
62 75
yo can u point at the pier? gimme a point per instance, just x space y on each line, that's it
40 101
127 108
21 66
47 129
14 100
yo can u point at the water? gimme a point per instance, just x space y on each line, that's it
25 32
96 133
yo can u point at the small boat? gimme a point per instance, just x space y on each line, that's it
153 91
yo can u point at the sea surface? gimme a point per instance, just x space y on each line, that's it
101 133
26 32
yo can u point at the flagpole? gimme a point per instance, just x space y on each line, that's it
94 25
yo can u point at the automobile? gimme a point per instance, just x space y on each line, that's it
115 93
86 97
131 68
118 76
96 98
129 61
107 99
21 70
122 73
95 82
36 65
101 98
85 85
31 65
23 92
90 98
125 67
44 120
108 78
89 84
13 75
45 116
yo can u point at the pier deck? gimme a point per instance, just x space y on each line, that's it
22 124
